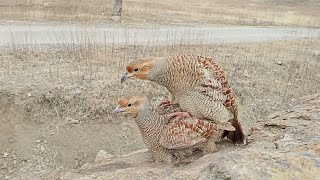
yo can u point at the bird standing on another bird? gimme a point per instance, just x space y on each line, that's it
166 136
197 84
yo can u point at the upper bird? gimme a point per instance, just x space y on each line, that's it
197 84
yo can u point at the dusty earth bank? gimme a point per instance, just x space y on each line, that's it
284 146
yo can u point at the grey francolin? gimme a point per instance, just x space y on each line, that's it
197 84
167 136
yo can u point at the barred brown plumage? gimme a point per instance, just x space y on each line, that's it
197 84
167 136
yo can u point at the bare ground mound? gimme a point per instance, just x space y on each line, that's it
284 146
55 102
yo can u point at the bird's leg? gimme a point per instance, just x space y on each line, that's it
181 114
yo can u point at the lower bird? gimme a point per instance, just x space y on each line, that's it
169 137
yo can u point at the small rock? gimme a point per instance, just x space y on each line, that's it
5 155
10 171
268 100
29 94
102 156
38 141
86 166
73 121
124 128
273 108
42 149
116 18
279 63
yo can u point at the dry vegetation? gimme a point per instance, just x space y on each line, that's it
63 95
249 12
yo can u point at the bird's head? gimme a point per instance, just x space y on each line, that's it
130 106
139 69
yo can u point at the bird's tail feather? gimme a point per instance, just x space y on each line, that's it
236 136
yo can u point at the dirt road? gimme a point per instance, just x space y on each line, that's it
152 35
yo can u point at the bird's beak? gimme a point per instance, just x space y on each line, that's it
124 77
116 111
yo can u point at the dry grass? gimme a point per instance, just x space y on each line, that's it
82 81
250 12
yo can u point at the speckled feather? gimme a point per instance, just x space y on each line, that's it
166 137
186 132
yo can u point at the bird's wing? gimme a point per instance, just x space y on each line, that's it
186 132
168 108
214 84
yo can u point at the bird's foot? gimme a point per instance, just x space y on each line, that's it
180 114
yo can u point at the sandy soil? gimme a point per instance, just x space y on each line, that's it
238 12
56 101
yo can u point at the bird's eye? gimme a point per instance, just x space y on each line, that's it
129 105
136 69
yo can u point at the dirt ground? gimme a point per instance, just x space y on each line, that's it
55 102
249 12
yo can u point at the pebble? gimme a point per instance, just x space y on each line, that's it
29 94
10 171
279 63
5 155
42 149
38 141
73 121
102 156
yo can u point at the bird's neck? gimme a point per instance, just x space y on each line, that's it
162 74
150 119
172 74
